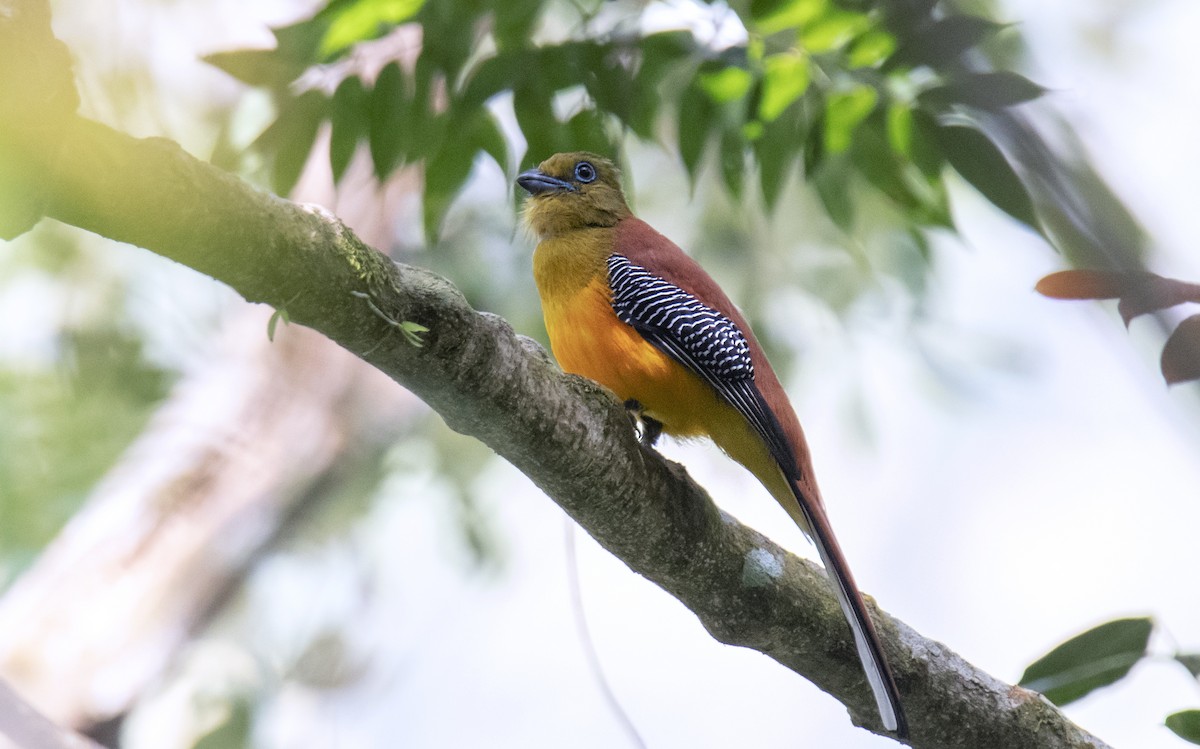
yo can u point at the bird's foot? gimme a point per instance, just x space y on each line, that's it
648 429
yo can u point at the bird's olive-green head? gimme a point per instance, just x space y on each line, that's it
571 191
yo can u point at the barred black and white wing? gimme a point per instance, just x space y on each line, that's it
701 339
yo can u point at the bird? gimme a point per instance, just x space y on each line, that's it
626 307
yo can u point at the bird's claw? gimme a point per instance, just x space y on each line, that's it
648 429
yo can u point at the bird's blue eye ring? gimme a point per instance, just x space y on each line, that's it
585 172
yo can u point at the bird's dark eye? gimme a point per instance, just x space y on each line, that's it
585 172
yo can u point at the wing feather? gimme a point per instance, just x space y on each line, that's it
703 340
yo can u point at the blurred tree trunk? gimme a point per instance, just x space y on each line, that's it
237 449
21 727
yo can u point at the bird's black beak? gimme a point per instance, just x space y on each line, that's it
537 182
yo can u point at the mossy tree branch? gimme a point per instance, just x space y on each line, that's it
568 435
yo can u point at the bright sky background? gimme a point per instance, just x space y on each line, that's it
1059 489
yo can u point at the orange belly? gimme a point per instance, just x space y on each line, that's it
588 339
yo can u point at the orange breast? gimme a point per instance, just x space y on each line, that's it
588 339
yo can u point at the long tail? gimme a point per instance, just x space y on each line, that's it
870 651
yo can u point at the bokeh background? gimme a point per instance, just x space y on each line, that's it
1003 470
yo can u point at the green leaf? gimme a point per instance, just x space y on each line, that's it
448 34
353 21
660 54
410 330
276 316
587 133
448 170
733 161
776 151
726 84
564 65
1094 659
445 174
425 127
882 167
666 47
871 49
877 161
349 122
772 16
909 16
785 79
833 31
814 146
544 135
695 123
941 42
982 90
388 108
299 42
487 136
513 27
1190 661
890 150
900 128
290 138
258 67
412 333
610 84
1186 725
844 110
923 147
503 72
233 732
476 130
832 180
923 201
982 164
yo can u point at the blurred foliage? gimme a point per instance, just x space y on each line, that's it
1102 656
63 429
68 415
233 732
840 92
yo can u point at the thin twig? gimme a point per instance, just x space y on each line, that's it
589 645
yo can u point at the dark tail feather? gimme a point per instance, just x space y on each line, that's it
870 651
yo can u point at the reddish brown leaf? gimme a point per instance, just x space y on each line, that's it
1083 284
1153 293
1139 292
1181 355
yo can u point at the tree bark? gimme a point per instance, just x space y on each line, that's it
567 434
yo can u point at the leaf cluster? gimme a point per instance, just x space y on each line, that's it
839 92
